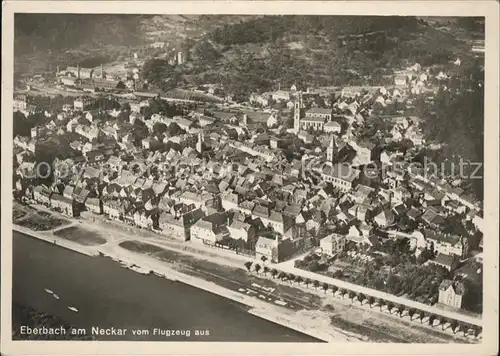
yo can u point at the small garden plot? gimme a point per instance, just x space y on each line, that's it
18 214
81 236
141 247
37 222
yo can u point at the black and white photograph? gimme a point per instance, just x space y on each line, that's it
263 178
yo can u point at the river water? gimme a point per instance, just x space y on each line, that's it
107 295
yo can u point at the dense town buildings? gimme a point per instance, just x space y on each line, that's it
251 180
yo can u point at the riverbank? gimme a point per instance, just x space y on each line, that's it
143 264
28 317
227 277
107 295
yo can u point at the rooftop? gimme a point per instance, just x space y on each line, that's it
341 171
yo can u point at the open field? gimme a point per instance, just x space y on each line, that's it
81 236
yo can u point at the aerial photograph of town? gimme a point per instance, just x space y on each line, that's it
248 178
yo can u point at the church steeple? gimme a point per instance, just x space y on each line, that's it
297 113
199 144
331 150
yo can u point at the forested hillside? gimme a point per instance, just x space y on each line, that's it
258 53
53 32
456 118
44 40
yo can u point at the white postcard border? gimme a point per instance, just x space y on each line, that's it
489 9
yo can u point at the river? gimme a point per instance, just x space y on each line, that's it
107 295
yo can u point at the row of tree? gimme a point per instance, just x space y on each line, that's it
362 298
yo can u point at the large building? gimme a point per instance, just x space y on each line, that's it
97 84
333 244
319 113
20 103
268 248
315 123
81 104
314 118
341 176
451 293
80 73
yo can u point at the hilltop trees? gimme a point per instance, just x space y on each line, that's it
457 119
156 71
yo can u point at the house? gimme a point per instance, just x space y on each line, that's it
91 133
332 127
305 136
447 244
413 214
361 193
267 248
400 80
451 293
113 209
94 205
144 219
277 221
272 121
69 81
353 91
82 104
183 123
150 143
93 115
281 95
450 262
205 232
341 176
364 152
206 120
385 218
105 84
63 205
80 194
230 201
173 227
68 192
38 131
202 201
241 230
41 194
333 244
246 207
432 218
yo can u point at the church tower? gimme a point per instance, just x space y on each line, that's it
199 144
331 150
296 114
303 167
